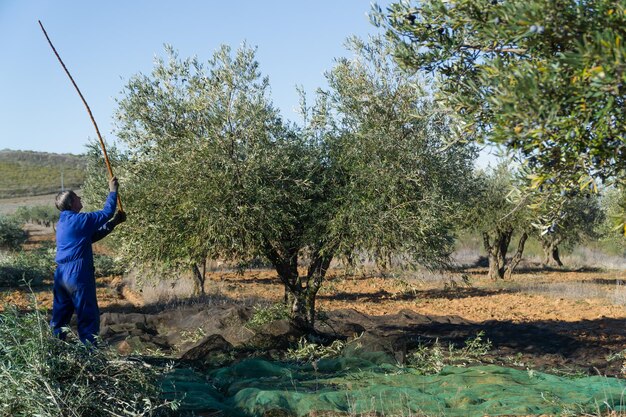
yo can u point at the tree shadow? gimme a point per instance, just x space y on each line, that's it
34 288
480 268
546 344
604 281
254 280
527 269
456 293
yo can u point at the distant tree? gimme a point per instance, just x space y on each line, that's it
497 216
578 219
43 215
214 172
543 78
613 203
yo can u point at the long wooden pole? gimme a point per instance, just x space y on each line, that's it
104 151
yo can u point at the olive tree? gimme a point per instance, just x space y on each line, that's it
213 171
546 79
613 203
497 215
579 217
402 189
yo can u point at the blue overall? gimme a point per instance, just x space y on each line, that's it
74 282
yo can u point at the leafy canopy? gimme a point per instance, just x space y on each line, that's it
204 146
496 205
402 188
543 78
212 170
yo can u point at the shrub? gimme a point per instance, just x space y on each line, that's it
106 266
27 267
11 234
44 376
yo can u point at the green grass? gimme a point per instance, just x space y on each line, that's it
25 173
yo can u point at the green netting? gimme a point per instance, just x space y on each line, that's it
361 385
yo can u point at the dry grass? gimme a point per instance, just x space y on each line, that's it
178 289
604 290
588 257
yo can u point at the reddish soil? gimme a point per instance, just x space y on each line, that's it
562 330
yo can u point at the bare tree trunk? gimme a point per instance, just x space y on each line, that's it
315 276
517 257
491 254
555 256
495 270
288 297
299 313
199 278
310 309
300 292
303 310
496 251
551 252
286 265
547 252
196 279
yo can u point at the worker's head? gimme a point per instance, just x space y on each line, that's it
68 200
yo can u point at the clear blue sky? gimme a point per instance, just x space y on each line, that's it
104 43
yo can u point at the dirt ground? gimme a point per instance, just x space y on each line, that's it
561 320
10 205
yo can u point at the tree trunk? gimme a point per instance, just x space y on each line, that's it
310 309
517 257
298 311
300 292
286 265
551 253
199 278
555 256
496 251
315 276
496 266
303 306
288 297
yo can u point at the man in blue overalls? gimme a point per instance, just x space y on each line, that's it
74 282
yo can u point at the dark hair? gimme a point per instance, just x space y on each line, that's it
64 200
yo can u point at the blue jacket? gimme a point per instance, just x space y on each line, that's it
77 231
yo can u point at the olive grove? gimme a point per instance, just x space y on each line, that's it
212 171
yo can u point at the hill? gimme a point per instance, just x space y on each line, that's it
27 173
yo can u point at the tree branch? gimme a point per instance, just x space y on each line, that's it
516 51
